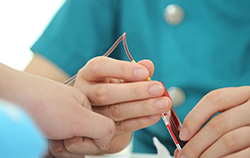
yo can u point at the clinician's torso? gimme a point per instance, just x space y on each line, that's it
208 49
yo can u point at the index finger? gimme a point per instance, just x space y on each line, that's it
215 101
102 67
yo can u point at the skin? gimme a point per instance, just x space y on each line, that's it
51 104
225 135
118 90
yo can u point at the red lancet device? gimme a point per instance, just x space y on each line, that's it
170 118
173 124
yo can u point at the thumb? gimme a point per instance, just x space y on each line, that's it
95 126
104 132
149 65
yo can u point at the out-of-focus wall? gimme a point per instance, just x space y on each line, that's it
21 24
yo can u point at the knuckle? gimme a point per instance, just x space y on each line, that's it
137 90
115 112
95 65
102 95
122 69
230 141
81 72
192 151
218 124
146 107
121 128
215 97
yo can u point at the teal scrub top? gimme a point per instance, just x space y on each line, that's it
209 49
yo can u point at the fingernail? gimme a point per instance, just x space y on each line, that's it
107 146
141 73
184 133
182 156
155 89
154 117
161 104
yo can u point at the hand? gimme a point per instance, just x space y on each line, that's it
63 112
60 111
119 90
67 113
225 135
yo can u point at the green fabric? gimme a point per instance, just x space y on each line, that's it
209 49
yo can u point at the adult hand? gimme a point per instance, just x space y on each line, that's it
225 135
119 90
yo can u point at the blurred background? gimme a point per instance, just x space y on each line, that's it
21 24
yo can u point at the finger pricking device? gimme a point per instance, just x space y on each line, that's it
170 117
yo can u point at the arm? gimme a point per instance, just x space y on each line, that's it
43 67
51 104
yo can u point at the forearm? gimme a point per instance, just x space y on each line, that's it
21 87
10 82
41 66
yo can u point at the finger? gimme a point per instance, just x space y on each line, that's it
229 143
149 65
242 153
176 153
100 128
57 150
95 122
82 99
81 146
134 124
100 68
120 143
216 101
218 126
113 80
85 146
128 110
103 94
